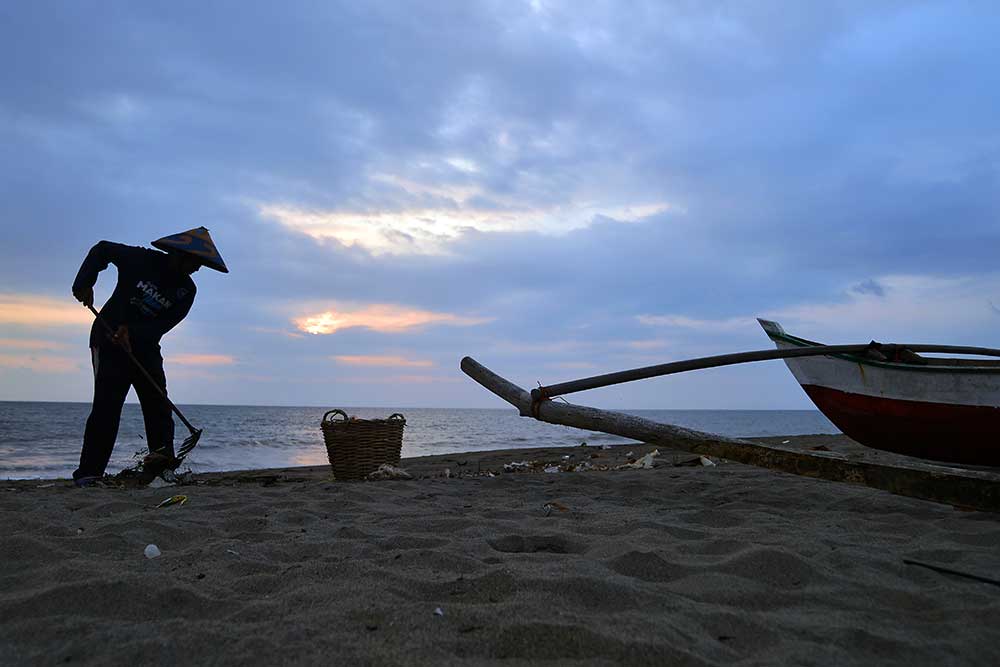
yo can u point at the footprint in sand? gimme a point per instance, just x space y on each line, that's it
555 544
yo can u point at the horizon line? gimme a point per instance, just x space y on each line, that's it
414 407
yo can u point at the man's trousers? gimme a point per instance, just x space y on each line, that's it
114 374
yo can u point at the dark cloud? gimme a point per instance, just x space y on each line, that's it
869 286
802 148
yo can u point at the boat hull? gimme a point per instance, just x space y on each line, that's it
939 431
936 411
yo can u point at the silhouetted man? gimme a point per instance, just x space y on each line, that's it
154 293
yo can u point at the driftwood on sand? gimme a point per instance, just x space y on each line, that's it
964 488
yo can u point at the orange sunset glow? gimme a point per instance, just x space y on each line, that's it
42 363
42 311
381 360
26 344
202 359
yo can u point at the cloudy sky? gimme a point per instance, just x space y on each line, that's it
557 189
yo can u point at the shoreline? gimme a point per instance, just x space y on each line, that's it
689 564
607 455
838 441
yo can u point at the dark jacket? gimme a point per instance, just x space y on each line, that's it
150 297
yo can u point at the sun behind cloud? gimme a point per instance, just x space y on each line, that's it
385 318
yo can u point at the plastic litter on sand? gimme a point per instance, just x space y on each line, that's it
646 462
551 506
386 471
173 500
151 551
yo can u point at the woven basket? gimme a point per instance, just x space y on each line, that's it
357 447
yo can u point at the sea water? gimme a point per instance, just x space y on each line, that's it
43 439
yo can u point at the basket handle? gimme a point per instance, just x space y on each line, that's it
334 413
396 417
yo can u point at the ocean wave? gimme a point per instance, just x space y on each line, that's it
44 440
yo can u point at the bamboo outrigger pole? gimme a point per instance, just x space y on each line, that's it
964 488
563 388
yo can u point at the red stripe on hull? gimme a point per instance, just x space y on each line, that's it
955 433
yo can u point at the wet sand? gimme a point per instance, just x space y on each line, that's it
685 564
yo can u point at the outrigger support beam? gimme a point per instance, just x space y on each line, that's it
964 488
573 386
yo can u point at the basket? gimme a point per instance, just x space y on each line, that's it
357 447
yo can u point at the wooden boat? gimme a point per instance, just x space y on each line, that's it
885 396
946 409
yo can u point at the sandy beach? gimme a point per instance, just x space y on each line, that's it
678 564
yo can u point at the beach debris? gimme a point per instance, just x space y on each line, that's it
561 465
173 500
439 612
605 446
165 478
552 505
564 463
695 462
386 471
152 551
232 551
45 486
645 463
178 478
785 442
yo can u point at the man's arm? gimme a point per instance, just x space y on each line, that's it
102 254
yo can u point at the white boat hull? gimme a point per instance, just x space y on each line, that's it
948 410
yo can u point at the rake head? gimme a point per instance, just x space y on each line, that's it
188 444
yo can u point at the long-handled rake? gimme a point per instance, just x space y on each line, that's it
189 442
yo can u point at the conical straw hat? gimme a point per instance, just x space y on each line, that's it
195 242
